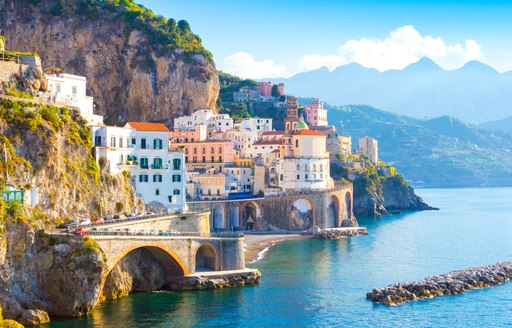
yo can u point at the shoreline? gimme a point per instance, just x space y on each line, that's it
257 246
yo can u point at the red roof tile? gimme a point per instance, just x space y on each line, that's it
308 133
145 126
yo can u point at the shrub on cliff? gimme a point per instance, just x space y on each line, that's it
7 323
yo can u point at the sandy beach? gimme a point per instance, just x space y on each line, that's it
257 245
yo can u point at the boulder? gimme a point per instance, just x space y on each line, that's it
34 318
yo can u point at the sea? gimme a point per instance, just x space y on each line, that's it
313 283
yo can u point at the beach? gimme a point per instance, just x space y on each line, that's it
256 246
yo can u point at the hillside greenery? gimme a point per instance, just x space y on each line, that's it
440 152
164 34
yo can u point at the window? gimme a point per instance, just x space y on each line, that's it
218 192
143 143
144 163
281 177
204 159
176 192
120 142
298 167
74 90
220 159
213 150
143 178
157 192
194 159
112 141
176 178
220 150
157 144
204 150
157 163
157 178
171 199
134 141
213 159
306 177
298 177
296 143
195 150
58 87
176 164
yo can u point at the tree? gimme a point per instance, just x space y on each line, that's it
275 91
184 26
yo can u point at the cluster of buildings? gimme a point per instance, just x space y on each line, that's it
208 156
263 93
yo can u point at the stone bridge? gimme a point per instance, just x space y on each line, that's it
178 255
298 211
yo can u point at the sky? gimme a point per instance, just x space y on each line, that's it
280 38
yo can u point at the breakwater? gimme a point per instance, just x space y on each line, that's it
337 233
451 283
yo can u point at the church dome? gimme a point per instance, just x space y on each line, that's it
301 125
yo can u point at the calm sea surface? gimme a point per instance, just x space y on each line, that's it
323 283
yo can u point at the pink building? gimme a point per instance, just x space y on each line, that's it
181 135
280 88
316 115
266 89
208 151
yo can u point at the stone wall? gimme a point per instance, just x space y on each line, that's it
9 68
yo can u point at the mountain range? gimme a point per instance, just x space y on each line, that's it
438 152
475 93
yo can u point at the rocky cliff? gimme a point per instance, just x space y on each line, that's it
132 73
50 149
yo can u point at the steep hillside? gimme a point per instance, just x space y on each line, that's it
441 152
504 125
474 93
139 66
51 149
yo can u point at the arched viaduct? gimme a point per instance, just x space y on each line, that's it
297 211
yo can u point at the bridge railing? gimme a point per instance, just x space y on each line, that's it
127 219
154 233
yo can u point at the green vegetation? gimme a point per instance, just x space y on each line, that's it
441 152
164 34
8 323
19 94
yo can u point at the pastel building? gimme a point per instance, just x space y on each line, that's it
206 117
336 143
369 147
207 185
211 152
70 90
316 114
184 135
142 149
266 89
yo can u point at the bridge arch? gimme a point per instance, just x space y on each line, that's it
301 214
206 258
251 212
170 261
234 216
218 217
333 212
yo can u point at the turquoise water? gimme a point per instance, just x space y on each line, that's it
323 283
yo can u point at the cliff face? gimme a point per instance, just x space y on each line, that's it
51 149
399 196
128 77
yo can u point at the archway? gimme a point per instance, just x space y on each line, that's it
142 268
234 216
251 214
218 217
333 217
206 258
301 214
348 204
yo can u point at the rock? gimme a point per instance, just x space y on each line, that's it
337 233
451 283
34 317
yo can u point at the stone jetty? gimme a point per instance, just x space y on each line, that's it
337 233
451 283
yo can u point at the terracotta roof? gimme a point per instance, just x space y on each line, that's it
145 126
268 142
321 128
308 133
272 133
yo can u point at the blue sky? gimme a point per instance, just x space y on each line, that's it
279 38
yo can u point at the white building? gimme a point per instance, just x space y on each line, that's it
369 147
70 90
216 122
247 132
239 178
142 149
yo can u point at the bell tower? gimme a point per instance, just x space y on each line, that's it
292 117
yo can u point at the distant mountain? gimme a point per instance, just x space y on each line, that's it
504 125
440 152
475 93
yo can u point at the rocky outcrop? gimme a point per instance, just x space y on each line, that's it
400 196
337 233
198 282
451 283
130 78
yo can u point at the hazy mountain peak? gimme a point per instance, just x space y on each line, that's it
424 64
477 66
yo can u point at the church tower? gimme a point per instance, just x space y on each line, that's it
292 117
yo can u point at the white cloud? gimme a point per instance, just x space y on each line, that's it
401 47
244 65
